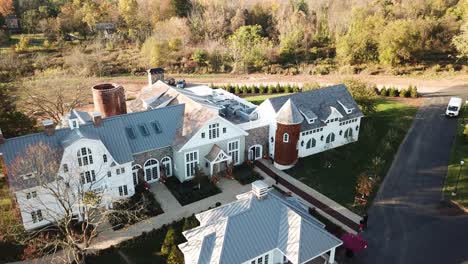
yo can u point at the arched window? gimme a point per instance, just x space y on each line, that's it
84 157
311 143
151 170
285 137
357 128
104 158
330 138
348 133
167 165
135 170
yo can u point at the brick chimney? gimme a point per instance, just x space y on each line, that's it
97 119
49 127
2 138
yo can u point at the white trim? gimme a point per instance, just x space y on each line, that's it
170 164
196 140
286 137
151 167
252 148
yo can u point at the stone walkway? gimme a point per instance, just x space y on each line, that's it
331 210
173 211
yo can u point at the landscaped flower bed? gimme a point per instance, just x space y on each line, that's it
188 192
246 175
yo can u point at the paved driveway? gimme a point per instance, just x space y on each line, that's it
408 222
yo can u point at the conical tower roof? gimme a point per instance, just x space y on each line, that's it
289 114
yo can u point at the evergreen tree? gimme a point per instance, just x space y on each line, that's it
176 256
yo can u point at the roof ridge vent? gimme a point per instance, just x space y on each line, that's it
260 189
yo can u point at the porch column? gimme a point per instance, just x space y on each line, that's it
211 168
331 260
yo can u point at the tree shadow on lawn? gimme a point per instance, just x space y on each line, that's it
334 173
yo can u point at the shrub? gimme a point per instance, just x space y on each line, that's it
393 92
278 88
288 88
271 89
296 88
414 92
169 241
245 89
189 223
175 257
403 92
383 91
310 86
237 89
261 88
23 44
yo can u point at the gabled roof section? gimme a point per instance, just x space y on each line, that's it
111 133
249 227
289 114
319 101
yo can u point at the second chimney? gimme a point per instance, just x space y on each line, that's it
49 127
97 119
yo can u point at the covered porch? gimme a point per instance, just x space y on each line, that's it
217 159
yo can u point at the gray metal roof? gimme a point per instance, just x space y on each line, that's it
112 133
250 227
289 114
320 102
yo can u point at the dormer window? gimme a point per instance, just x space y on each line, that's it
73 123
285 137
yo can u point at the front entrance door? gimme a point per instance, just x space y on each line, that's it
255 152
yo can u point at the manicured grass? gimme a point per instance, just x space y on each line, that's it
334 173
143 249
258 99
245 174
188 192
459 152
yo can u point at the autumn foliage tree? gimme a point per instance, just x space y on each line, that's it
364 185
6 7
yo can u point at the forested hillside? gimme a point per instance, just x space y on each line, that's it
283 36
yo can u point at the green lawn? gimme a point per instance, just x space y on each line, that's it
258 99
334 173
459 152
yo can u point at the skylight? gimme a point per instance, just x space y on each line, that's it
130 132
144 129
156 126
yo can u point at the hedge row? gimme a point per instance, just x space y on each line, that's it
411 91
266 89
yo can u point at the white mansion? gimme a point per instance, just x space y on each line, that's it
173 131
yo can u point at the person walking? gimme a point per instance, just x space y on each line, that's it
364 221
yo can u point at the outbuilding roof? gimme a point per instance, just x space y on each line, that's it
320 102
249 227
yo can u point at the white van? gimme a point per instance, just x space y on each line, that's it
453 108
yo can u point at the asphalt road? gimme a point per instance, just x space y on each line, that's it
409 221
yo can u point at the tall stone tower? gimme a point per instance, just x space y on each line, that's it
288 129
109 99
